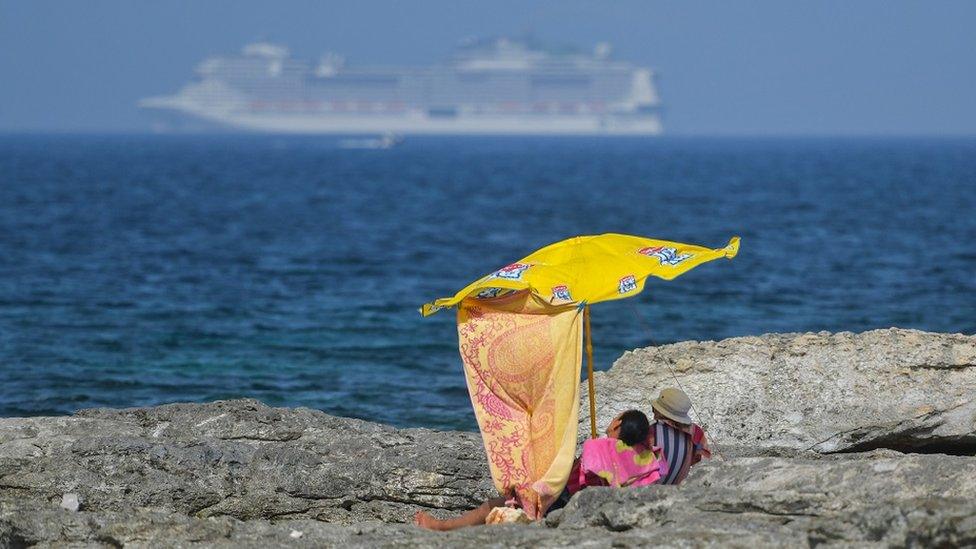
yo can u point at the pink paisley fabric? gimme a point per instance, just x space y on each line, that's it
522 361
609 462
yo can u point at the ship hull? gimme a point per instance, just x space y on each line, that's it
421 124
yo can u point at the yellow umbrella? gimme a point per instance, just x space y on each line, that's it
587 270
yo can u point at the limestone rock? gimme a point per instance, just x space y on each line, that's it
882 498
242 459
843 392
71 502
816 418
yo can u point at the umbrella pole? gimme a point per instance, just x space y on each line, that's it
589 371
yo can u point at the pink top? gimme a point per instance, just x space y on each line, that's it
609 462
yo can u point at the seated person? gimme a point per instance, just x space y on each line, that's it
622 458
681 441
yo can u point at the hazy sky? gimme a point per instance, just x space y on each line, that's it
726 67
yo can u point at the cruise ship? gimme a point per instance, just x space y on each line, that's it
497 86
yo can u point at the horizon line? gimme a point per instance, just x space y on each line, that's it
26 132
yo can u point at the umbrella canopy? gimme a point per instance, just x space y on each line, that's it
589 269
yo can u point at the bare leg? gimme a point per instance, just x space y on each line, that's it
473 517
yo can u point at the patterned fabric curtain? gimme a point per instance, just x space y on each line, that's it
522 360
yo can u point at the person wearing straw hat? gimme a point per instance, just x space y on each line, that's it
681 441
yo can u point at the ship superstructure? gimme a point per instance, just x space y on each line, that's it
488 87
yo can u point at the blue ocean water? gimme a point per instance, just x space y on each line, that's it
137 270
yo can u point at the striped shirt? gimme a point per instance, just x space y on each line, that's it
681 447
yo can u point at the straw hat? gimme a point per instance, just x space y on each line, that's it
673 404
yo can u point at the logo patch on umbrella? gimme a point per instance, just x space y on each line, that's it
561 293
667 256
627 284
511 272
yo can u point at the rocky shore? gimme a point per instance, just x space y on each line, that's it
824 439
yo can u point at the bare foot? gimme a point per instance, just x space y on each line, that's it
424 520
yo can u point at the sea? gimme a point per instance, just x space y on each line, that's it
137 269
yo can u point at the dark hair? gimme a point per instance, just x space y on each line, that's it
634 427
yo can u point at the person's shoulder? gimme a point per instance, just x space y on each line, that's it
599 442
682 427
